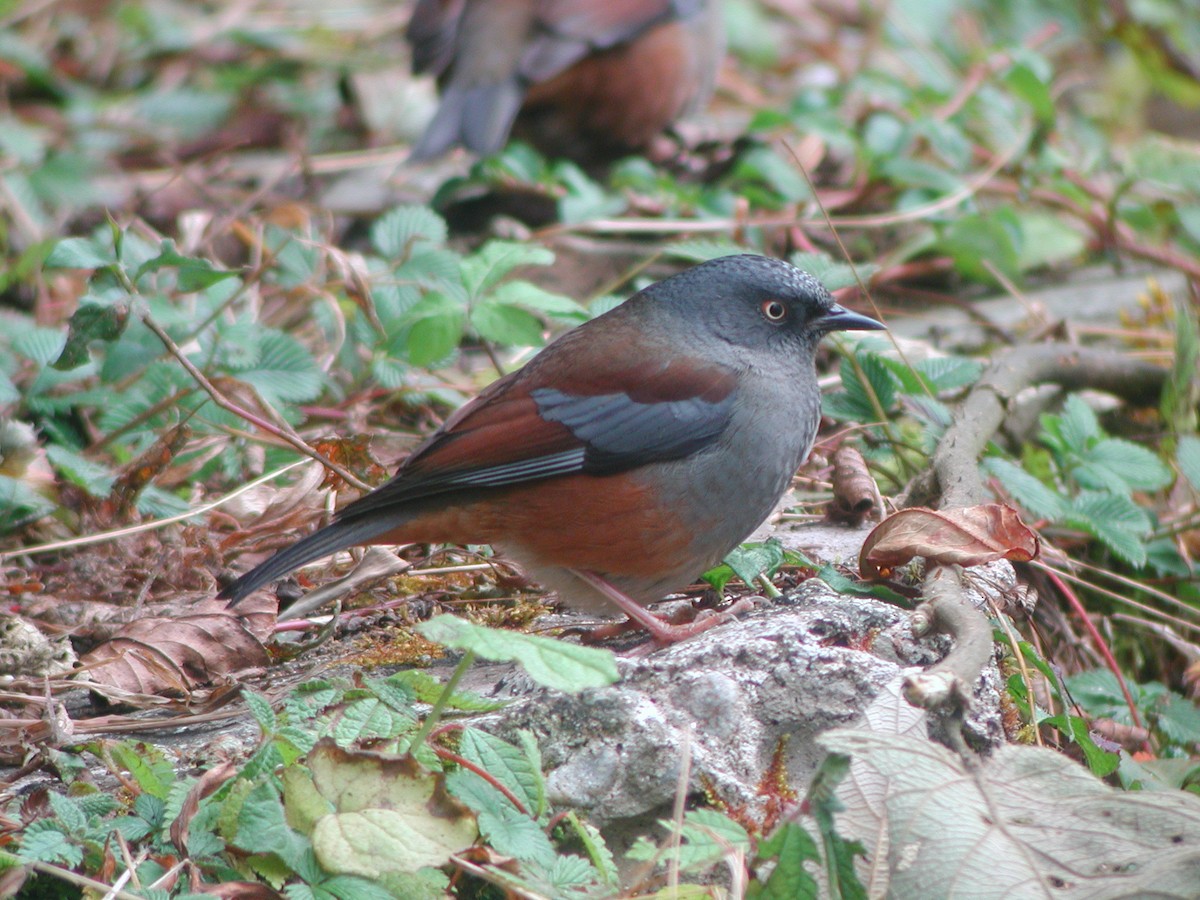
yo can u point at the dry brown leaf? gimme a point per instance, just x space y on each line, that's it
209 782
967 536
854 490
170 656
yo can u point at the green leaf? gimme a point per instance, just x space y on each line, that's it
370 718
510 833
262 827
1179 720
506 325
1048 240
531 297
91 322
751 560
791 847
975 241
1187 457
875 380
80 253
436 330
427 689
1115 521
153 772
483 269
508 764
93 477
1028 491
949 373
286 372
554 664
831 272
405 229
193 273
41 345
68 813
50 845
596 849
699 251
1129 464
1034 90
1078 425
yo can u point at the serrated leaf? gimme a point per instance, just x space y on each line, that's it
428 689
1078 425
1132 464
286 372
554 664
507 763
80 253
93 477
262 827
1187 455
530 296
68 813
1028 491
699 251
841 407
49 845
865 377
483 269
506 325
1179 720
405 229
510 833
42 345
1107 518
948 373
260 708
370 718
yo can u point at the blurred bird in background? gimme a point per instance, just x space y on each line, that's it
590 80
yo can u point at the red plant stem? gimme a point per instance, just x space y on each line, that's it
487 776
1101 645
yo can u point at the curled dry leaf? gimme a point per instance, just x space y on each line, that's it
164 656
854 490
967 536
209 782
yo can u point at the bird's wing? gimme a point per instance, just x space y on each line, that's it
570 29
522 429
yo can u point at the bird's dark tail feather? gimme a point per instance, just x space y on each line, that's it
327 540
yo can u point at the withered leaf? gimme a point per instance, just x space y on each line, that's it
171 656
968 536
854 490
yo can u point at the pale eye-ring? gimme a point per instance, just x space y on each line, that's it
774 310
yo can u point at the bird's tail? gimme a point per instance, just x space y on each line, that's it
330 539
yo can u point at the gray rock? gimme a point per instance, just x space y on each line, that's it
720 705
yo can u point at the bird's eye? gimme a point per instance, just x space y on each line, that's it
774 310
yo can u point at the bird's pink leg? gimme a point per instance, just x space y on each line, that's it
661 630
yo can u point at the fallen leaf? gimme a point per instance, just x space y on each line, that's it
854 490
390 814
171 656
967 536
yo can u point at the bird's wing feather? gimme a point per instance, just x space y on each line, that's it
522 430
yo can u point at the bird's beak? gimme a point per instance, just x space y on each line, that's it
838 318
